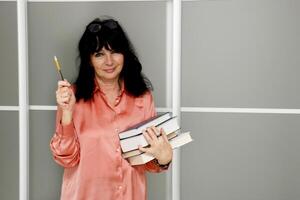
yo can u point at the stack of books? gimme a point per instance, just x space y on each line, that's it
131 138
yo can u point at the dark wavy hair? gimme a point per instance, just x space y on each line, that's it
110 35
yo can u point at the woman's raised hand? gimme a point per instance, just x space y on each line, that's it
65 97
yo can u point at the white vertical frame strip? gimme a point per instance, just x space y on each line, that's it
169 36
176 85
169 46
23 101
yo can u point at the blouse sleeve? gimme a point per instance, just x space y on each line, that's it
64 144
150 111
149 106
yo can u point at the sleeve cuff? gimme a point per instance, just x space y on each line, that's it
163 167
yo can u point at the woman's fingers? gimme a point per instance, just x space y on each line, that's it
145 150
160 147
152 135
153 132
64 90
63 97
64 94
63 83
164 135
148 138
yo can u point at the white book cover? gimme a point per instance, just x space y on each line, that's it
138 128
131 143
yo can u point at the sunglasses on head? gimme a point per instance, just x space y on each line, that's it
96 26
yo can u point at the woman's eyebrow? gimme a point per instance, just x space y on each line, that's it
100 51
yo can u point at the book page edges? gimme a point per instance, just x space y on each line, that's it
133 143
138 152
176 142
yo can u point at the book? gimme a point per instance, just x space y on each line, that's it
132 143
138 128
178 141
137 152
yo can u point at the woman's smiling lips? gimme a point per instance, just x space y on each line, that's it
110 70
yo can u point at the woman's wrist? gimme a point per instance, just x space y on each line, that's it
163 166
66 117
164 162
165 157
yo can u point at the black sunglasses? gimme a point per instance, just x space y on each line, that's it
96 26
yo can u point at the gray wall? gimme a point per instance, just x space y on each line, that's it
241 156
9 155
241 53
9 122
235 53
8 54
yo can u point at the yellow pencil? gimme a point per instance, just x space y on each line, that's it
58 68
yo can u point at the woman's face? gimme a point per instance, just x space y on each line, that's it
107 64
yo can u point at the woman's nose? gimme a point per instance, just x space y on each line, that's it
109 59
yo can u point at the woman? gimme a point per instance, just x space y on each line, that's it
109 95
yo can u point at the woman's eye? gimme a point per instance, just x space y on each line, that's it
98 54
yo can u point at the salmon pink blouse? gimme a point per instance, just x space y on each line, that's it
89 149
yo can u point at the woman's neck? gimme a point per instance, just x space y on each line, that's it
109 86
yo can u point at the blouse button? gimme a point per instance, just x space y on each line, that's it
120 187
